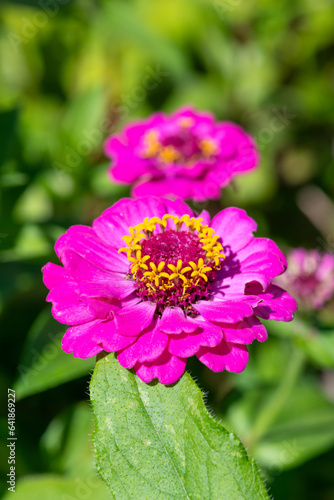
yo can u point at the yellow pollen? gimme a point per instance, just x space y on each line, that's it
152 144
178 272
156 274
132 241
164 277
148 225
169 154
208 147
200 269
138 262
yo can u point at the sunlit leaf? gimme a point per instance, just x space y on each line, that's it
154 441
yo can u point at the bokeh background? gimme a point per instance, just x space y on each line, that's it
73 72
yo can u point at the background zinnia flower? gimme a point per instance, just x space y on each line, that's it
187 154
309 277
156 284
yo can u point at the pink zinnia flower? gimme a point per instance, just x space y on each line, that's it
187 154
309 277
157 284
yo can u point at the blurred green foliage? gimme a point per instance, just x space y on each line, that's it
72 72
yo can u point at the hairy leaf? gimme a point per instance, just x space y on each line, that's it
159 442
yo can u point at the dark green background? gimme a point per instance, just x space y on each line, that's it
68 68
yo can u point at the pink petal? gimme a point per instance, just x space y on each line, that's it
123 156
67 307
230 357
167 369
148 347
233 288
54 275
258 328
205 216
238 152
235 228
117 289
114 222
262 245
219 311
174 321
181 187
326 266
244 332
187 345
200 117
207 189
134 132
263 265
100 308
276 304
83 271
105 333
177 207
132 321
111 229
85 242
78 341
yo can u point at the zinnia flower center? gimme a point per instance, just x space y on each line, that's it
173 260
180 146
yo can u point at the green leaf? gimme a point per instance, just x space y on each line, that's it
303 429
66 443
159 442
52 487
46 373
44 364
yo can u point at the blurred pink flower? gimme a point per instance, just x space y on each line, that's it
309 277
157 284
187 155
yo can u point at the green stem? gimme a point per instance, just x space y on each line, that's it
276 403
